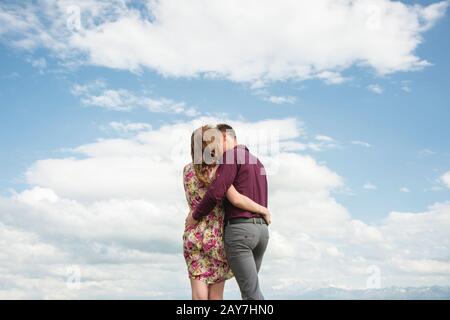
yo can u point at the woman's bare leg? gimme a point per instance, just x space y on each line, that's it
216 291
199 290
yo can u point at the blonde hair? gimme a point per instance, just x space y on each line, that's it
209 146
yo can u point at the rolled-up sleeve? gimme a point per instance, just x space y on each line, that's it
225 175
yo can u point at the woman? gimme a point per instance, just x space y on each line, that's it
203 243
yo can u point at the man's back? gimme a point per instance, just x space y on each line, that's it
250 180
246 173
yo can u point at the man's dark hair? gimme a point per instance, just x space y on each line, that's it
226 129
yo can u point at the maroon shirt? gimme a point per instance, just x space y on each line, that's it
246 173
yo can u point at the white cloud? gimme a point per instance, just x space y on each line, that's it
322 143
122 221
369 186
39 63
96 94
129 126
324 138
429 226
230 39
406 88
424 266
12 75
405 190
361 143
445 178
280 99
259 89
433 189
375 88
426 152
331 77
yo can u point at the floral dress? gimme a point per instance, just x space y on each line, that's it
203 246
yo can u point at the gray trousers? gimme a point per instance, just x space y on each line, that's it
245 244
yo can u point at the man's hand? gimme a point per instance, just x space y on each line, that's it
268 218
190 221
266 215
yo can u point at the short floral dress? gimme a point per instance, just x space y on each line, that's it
203 246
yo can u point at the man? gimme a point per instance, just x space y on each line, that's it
246 234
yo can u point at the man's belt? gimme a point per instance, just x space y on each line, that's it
246 220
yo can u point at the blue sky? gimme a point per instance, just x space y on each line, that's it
370 102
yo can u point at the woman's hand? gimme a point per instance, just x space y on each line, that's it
266 215
190 221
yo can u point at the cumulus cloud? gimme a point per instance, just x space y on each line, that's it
426 152
361 143
429 226
116 209
324 138
406 87
40 63
369 186
322 143
331 77
259 89
445 178
375 88
228 39
97 94
129 126
280 99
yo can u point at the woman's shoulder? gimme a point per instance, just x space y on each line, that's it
189 177
188 171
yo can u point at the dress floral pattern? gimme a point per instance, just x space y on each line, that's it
203 246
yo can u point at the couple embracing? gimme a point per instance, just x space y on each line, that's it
226 232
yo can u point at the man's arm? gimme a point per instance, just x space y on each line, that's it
245 203
225 175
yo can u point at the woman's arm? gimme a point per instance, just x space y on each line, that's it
245 203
